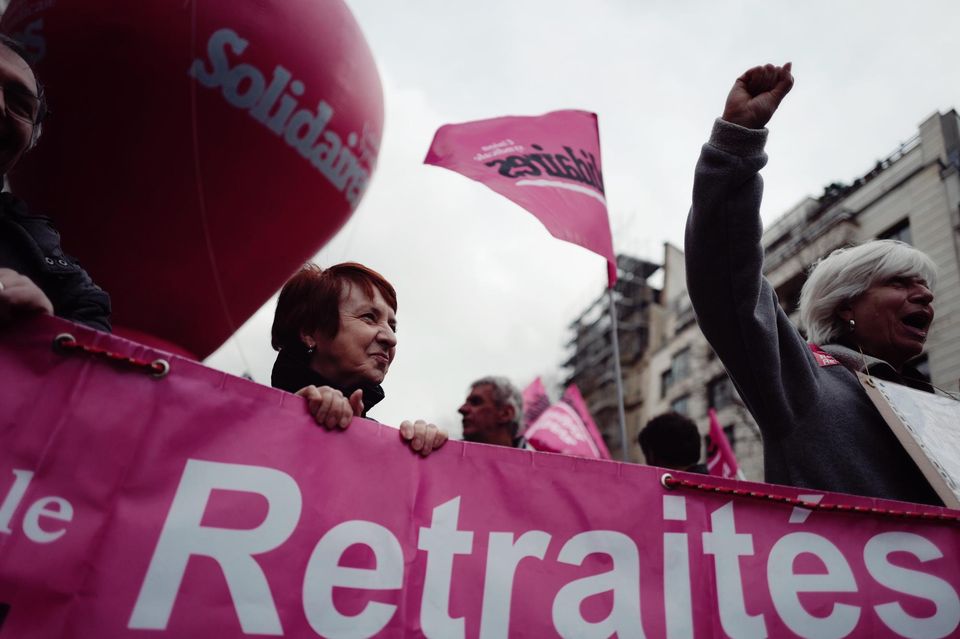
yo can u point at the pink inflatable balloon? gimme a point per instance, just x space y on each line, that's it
198 152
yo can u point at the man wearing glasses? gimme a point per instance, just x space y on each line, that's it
35 275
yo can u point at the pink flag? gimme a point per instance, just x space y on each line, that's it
560 430
573 397
720 458
566 427
548 164
535 401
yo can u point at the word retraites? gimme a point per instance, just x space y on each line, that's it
183 536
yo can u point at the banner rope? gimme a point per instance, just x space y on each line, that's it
670 482
67 343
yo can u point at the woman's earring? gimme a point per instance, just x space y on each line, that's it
853 324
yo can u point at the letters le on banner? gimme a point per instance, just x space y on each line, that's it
202 505
548 164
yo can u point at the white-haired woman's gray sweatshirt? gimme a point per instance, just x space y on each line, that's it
820 430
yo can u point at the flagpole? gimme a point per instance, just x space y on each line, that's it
617 374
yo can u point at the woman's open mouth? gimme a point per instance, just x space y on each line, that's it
918 323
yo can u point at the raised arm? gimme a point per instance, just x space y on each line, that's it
736 308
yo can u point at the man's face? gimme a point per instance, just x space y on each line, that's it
364 347
18 108
482 418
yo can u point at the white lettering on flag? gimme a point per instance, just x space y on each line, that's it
563 185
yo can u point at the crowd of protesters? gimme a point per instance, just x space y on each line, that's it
864 309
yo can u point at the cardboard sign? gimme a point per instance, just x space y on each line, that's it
203 505
928 426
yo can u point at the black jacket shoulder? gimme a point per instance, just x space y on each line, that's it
30 245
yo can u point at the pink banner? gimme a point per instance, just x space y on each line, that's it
535 401
204 505
548 164
720 458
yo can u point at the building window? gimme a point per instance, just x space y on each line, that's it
720 392
680 366
681 405
679 369
899 231
684 313
666 381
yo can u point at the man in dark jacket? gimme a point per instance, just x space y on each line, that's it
35 274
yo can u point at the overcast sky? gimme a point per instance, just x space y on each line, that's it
482 287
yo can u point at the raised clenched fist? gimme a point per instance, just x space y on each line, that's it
756 95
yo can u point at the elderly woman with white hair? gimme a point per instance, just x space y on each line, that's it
866 308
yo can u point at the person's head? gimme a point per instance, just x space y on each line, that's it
492 412
345 319
23 105
875 297
671 440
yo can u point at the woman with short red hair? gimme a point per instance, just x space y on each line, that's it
335 330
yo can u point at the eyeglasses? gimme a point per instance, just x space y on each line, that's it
21 103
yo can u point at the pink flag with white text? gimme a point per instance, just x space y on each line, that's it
720 458
535 401
566 427
548 164
560 430
573 397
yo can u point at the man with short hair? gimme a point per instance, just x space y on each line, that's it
493 413
35 274
672 440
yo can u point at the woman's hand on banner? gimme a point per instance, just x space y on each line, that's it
423 437
19 295
330 408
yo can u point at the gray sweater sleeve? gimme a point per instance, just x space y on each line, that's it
737 309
